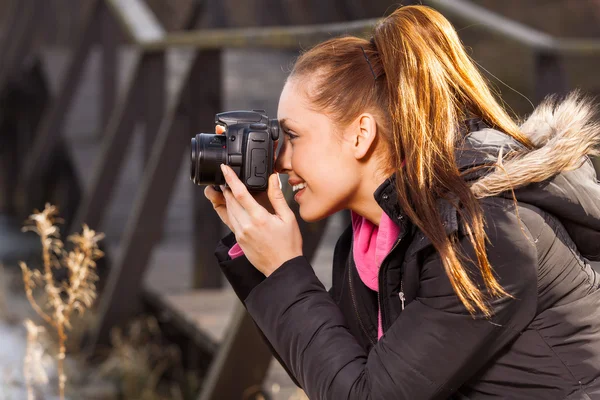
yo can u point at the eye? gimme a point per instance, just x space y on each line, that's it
290 135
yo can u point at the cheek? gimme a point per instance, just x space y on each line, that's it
331 184
325 197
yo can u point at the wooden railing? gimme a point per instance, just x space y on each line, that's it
170 126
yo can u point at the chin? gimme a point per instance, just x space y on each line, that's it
312 215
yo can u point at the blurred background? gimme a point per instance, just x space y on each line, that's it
98 102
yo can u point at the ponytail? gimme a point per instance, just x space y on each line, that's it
420 83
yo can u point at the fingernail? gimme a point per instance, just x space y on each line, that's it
224 169
222 188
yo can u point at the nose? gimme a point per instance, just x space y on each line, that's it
283 163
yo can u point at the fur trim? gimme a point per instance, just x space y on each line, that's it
564 133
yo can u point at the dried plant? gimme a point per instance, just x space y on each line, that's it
139 361
77 292
33 369
3 290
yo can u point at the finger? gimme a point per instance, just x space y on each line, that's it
235 211
241 194
280 205
218 202
219 129
215 197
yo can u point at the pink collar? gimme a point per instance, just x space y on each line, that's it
371 244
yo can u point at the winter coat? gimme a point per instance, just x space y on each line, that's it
544 343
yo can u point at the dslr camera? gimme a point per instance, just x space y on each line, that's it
247 146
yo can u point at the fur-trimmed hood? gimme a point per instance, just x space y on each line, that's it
556 176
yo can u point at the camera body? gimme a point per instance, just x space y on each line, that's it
247 146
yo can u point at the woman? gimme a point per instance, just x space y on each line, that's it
465 270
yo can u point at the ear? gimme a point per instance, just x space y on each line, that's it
362 135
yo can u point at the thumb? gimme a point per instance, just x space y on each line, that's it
276 196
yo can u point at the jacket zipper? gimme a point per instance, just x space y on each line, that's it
401 294
382 277
379 295
382 284
356 308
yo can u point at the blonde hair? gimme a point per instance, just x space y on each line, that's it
415 75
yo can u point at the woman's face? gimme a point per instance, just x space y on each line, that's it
315 154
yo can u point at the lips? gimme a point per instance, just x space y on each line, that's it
296 184
298 194
299 186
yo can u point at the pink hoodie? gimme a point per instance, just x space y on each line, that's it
371 244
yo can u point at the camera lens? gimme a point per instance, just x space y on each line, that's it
208 152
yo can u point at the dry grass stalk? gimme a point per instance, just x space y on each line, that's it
33 369
3 290
139 360
63 298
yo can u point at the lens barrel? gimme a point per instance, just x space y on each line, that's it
208 152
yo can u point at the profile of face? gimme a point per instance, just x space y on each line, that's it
334 164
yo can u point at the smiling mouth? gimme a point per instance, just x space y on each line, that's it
298 187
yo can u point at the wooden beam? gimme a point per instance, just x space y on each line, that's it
241 364
16 41
272 37
489 21
204 102
123 293
53 120
294 37
152 98
115 142
137 20
196 9
109 41
9 23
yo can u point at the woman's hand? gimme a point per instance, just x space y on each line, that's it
268 240
220 205
218 200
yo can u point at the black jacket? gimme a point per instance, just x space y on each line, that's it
543 344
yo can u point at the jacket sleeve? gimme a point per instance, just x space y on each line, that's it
431 349
243 277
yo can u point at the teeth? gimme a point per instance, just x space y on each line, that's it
299 186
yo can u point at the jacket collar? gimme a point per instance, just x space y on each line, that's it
387 198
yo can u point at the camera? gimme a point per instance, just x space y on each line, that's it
247 146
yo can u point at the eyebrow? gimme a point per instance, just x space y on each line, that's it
284 122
